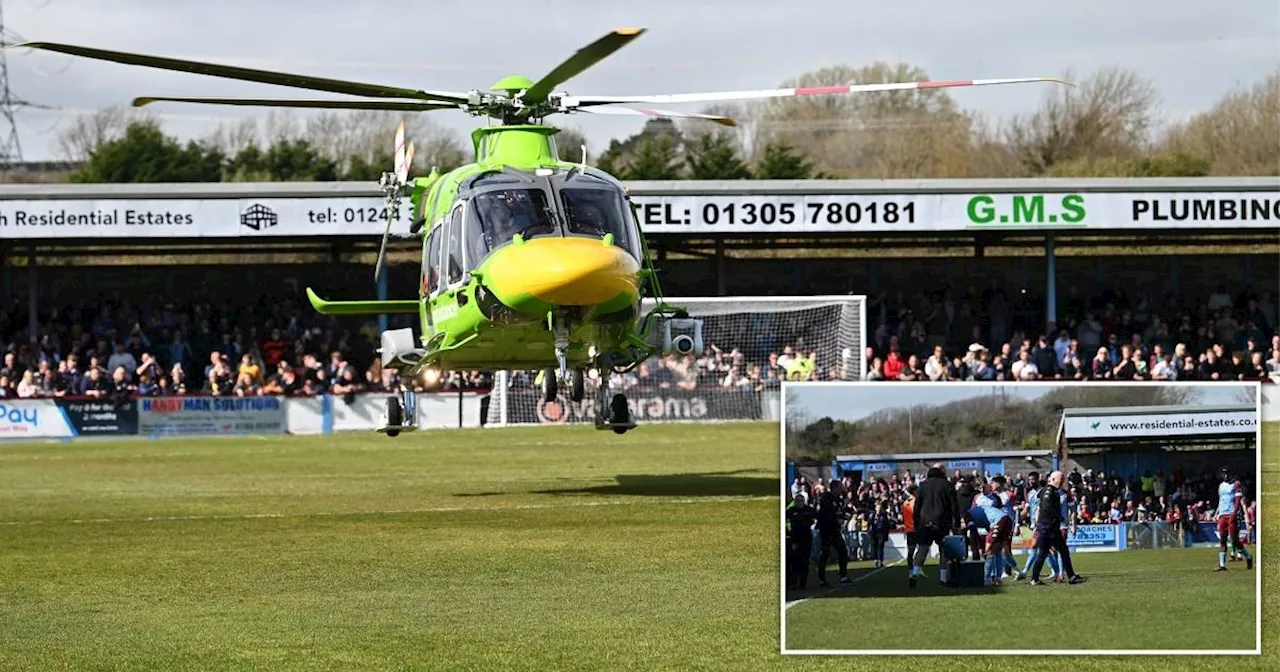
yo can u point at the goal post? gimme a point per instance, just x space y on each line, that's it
750 345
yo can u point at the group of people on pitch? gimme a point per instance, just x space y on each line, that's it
936 512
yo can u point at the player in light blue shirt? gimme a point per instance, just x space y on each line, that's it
999 531
1230 501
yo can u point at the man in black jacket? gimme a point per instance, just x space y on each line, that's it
831 522
936 515
800 517
1048 530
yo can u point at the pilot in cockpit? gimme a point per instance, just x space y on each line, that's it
519 209
590 219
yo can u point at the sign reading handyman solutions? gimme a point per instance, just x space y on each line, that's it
187 416
821 213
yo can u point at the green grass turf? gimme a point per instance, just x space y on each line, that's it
1175 587
537 549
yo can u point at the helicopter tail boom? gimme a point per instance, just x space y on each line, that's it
375 307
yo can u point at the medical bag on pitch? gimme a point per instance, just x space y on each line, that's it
956 570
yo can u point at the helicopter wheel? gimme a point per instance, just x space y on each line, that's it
619 413
395 416
549 387
578 389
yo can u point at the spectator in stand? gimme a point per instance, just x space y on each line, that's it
27 386
122 358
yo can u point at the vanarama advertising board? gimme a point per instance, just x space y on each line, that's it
187 416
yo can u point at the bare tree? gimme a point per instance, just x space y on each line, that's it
1247 395
1239 136
280 125
233 136
90 131
368 135
1110 115
884 134
569 144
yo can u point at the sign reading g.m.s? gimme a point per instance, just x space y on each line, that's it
1019 210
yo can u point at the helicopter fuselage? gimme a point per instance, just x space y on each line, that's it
517 254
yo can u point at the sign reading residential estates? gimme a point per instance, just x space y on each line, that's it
741 212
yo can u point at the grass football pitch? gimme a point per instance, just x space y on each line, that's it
502 549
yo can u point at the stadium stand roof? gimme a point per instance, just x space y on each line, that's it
925 457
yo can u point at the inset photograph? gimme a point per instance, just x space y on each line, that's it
1054 512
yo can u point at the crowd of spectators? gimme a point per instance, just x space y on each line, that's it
152 348
1113 336
1179 497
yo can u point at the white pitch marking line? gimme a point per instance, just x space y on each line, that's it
437 509
868 575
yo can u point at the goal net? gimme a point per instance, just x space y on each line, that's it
751 344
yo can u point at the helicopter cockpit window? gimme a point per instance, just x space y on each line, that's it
504 213
597 212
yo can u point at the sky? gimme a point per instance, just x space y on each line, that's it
1193 51
854 402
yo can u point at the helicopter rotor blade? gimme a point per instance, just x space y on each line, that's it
581 60
399 105
719 96
397 154
649 112
247 74
408 163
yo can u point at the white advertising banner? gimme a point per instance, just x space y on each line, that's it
831 213
33 419
190 416
322 415
304 415
196 218
364 413
1161 424
693 214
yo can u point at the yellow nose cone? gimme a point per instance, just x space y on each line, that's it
564 271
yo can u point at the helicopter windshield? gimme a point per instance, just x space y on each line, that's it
505 212
596 212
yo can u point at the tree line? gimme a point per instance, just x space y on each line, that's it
990 422
1110 125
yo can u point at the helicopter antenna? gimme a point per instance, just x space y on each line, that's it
584 157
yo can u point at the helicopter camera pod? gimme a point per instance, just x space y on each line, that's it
682 336
398 350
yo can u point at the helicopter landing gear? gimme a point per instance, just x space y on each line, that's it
550 385
562 350
400 414
616 414
578 386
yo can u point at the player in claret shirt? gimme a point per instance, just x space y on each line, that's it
1230 501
